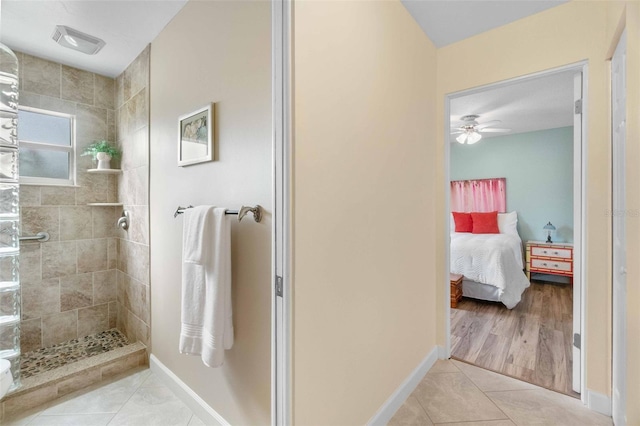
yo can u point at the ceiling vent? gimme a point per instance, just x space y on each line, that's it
77 40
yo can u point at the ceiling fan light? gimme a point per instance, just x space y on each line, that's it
462 138
473 138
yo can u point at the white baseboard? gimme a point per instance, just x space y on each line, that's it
200 408
398 397
442 353
599 403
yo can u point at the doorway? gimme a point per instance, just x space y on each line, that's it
534 336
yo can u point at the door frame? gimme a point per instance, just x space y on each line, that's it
281 55
579 192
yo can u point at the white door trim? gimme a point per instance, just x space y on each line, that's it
579 200
281 413
619 279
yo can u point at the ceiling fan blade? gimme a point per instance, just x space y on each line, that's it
487 124
456 131
492 130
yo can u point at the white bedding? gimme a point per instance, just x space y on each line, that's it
494 259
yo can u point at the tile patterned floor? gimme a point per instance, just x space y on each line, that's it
45 359
137 398
456 393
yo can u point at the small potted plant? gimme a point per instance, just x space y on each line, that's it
102 151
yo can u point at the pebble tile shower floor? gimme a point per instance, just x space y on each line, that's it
46 359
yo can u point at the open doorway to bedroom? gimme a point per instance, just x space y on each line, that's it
515 202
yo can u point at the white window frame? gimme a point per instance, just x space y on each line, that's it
71 149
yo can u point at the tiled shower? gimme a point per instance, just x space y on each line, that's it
90 277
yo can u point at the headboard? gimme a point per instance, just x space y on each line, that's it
479 195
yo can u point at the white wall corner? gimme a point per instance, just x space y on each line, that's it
208 415
599 403
391 405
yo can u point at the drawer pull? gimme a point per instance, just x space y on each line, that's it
545 252
555 252
544 264
556 265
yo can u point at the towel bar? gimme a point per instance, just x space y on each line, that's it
256 210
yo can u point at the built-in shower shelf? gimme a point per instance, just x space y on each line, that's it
105 171
105 204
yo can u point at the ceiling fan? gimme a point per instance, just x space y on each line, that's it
469 131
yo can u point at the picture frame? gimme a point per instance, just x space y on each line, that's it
195 136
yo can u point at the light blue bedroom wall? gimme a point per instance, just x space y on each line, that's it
539 171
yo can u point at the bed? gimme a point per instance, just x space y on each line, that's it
492 266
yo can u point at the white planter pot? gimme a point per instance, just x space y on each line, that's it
104 160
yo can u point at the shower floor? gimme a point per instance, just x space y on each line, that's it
46 359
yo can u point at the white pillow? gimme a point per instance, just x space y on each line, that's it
508 223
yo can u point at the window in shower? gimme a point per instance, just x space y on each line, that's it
47 144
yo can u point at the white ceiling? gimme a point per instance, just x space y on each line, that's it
448 21
126 26
537 104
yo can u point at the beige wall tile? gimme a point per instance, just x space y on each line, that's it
59 328
136 149
30 99
134 260
93 320
123 322
104 91
29 195
59 105
104 222
40 298
91 124
136 298
92 255
30 335
30 261
77 85
93 188
139 329
58 196
119 91
122 365
38 219
104 286
113 314
58 259
76 291
139 71
138 112
112 253
112 195
139 224
40 76
75 222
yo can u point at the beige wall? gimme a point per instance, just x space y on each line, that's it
363 189
216 52
68 283
132 125
563 35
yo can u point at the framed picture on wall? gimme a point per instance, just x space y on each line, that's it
195 140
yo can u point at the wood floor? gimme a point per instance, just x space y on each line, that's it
531 342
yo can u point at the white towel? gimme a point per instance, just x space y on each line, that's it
207 320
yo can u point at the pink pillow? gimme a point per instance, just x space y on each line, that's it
463 222
485 223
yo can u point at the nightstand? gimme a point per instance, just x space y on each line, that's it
549 258
456 289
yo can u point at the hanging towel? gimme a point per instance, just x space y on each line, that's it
207 326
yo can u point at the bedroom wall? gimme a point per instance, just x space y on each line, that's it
364 307
539 171
566 34
215 51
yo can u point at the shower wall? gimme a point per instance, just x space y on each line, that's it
132 126
69 282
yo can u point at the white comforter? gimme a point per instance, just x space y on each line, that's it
494 259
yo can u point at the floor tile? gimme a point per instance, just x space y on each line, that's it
485 423
195 421
100 398
452 397
444 366
22 418
153 406
489 381
73 420
410 413
544 407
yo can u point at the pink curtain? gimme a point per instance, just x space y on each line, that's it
479 195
